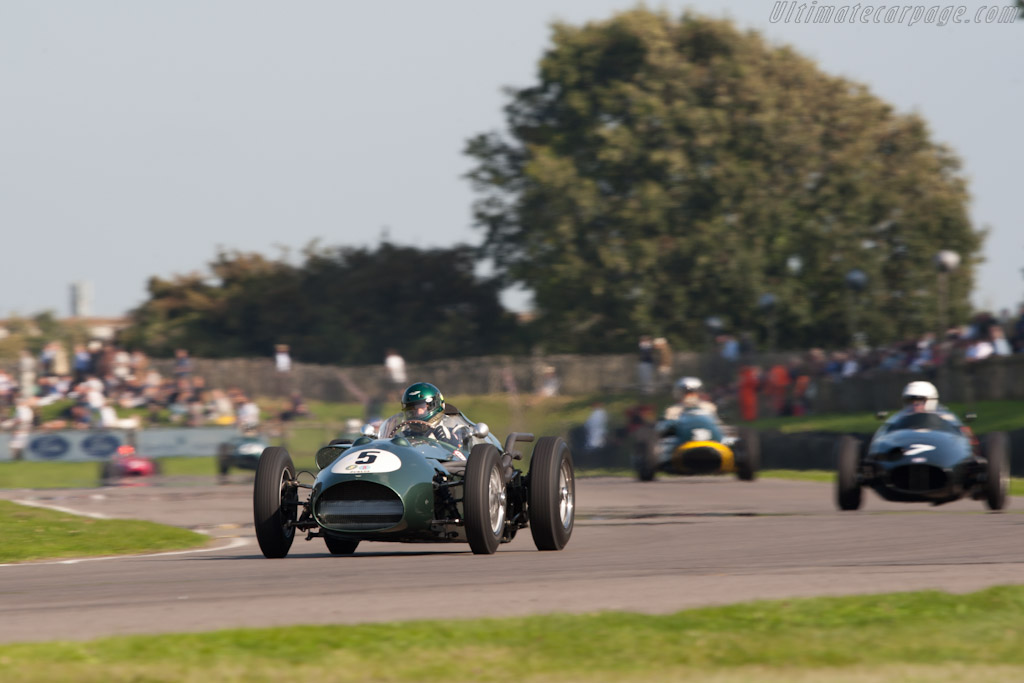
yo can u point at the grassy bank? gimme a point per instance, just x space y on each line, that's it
28 533
924 636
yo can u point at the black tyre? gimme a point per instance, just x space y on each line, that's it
275 502
997 470
106 473
552 494
158 469
748 455
848 487
645 453
224 459
340 546
484 499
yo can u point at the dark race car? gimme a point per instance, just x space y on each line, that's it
929 457
241 452
412 488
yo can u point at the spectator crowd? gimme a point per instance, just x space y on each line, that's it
99 382
790 386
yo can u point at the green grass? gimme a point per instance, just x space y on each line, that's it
923 636
992 416
36 475
28 533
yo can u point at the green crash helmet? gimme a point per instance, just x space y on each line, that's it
422 401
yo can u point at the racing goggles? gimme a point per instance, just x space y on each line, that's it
418 408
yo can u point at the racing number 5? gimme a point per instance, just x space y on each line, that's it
366 457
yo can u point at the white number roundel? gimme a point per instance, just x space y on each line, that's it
701 434
367 460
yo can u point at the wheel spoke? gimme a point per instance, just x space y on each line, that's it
287 503
496 500
565 495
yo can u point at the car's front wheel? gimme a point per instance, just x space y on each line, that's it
223 459
848 486
484 499
552 494
275 502
107 473
748 457
997 470
645 452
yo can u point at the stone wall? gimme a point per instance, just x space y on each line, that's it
481 375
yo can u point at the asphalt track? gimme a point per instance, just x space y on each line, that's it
655 548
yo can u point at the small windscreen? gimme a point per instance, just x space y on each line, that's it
923 421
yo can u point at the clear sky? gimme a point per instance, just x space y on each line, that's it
137 138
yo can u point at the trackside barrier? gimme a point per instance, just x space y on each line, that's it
91 445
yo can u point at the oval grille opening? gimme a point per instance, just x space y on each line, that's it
699 460
359 506
918 478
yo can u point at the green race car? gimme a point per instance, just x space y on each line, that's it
412 488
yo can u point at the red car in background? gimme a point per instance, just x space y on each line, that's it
126 463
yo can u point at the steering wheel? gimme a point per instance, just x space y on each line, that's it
416 427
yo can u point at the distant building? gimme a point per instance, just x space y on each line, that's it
81 299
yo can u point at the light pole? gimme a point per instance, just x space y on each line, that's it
946 261
767 304
856 282
713 367
714 325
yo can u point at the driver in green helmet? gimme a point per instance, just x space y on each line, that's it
424 414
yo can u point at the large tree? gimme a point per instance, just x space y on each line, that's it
341 305
663 171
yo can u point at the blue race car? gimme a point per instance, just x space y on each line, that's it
694 444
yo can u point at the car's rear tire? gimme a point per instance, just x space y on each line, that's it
997 470
552 494
275 502
484 499
848 487
340 546
645 452
748 459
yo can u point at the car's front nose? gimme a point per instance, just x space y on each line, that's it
358 505
926 464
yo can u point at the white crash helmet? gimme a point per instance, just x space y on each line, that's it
689 384
921 390
686 390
